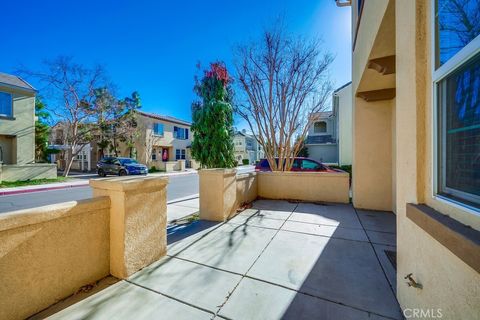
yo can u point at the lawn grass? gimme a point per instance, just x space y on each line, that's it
34 182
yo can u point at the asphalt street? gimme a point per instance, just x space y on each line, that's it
178 187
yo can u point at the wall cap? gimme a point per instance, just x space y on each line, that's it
26 217
128 183
313 174
218 171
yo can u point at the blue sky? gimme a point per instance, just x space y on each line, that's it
153 46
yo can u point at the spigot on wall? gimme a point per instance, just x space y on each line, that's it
412 283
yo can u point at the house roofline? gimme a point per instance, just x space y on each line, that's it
164 118
340 88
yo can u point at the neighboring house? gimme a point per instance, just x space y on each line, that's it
342 106
162 141
321 140
17 132
416 137
329 139
86 158
247 147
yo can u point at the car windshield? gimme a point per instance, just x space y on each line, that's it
127 161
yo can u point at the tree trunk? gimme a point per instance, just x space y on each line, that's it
68 163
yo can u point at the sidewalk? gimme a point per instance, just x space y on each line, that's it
181 208
76 181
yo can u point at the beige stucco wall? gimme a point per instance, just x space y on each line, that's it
448 283
372 158
304 186
247 188
28 172
217 194
22 146
345 131
47 253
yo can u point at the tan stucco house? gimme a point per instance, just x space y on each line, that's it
416 143
17 132
163 141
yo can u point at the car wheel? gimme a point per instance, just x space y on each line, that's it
102 173
122 173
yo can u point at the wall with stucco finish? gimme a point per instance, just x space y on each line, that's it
304 186
48 253
448 283
372 159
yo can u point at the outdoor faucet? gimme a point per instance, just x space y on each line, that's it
412 283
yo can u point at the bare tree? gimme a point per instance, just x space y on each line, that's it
285 84
73 87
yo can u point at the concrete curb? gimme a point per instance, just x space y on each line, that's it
45 187
73 184
190 197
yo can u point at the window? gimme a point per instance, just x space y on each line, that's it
154 154
457 105
180 133
158 129
457 25
6 104
180 154
309 165
320 127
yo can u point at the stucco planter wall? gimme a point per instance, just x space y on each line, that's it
48 253
138 221
247 189
304 186
218 194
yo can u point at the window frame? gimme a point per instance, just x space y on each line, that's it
320 121
8 116
185 133
180 154
155 124
439 74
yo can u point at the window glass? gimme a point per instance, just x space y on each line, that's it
320 127
309 165
158 129
5 104
458 23
459 133
180 133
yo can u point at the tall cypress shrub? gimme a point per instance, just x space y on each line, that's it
212 116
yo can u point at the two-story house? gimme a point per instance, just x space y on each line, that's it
246 147
17 132
162 139
321 140
329 139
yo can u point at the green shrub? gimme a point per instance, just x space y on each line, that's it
245 162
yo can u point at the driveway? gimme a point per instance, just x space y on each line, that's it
278 260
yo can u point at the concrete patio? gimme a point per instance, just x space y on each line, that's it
275 260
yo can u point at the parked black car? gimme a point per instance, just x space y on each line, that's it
120 166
